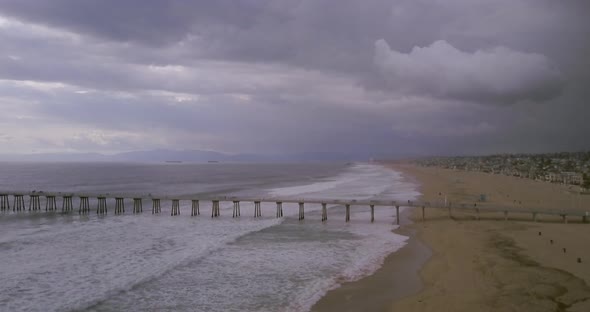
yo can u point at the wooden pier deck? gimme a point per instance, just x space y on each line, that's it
19 204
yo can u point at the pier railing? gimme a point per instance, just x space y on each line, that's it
19 204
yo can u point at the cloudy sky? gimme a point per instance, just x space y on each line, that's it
371 77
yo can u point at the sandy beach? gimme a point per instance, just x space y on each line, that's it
480 265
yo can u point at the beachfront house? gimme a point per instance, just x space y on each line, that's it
571 178
553 177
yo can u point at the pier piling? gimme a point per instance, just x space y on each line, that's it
372 213
279 209
195 208
119 205
156 206
397 214
236 209
84 206
423 215
67 205
257 209
301 211
215 210
137 205
19 203
50 203
175 207
34 203
4 203
347 212
324 212
101 206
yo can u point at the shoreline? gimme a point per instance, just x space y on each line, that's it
398 277
395 279
478 265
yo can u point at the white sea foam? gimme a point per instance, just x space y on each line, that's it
373 242
146 262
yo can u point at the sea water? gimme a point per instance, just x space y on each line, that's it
145 262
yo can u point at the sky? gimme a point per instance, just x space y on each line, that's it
374 77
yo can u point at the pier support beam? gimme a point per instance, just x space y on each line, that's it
397 214
423 214
236 209
84 206
137 205
257 209
101 206
279 209
4 203
215 211
19 203
50 203
195 208
324 212
34 203
156 206
119 205
175 207
372 213
347 212
301 211
66 204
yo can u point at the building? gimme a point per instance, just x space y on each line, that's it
572 178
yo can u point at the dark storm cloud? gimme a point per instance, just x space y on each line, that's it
431 76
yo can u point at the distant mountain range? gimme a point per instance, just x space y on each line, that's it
162 155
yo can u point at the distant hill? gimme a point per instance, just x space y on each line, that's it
170 155
51 157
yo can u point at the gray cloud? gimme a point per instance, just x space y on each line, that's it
295 76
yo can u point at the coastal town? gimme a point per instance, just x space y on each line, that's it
570 168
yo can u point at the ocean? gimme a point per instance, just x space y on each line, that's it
145 262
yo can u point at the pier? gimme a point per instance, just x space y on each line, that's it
34 199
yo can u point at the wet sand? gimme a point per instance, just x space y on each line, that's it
397 278
481 265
